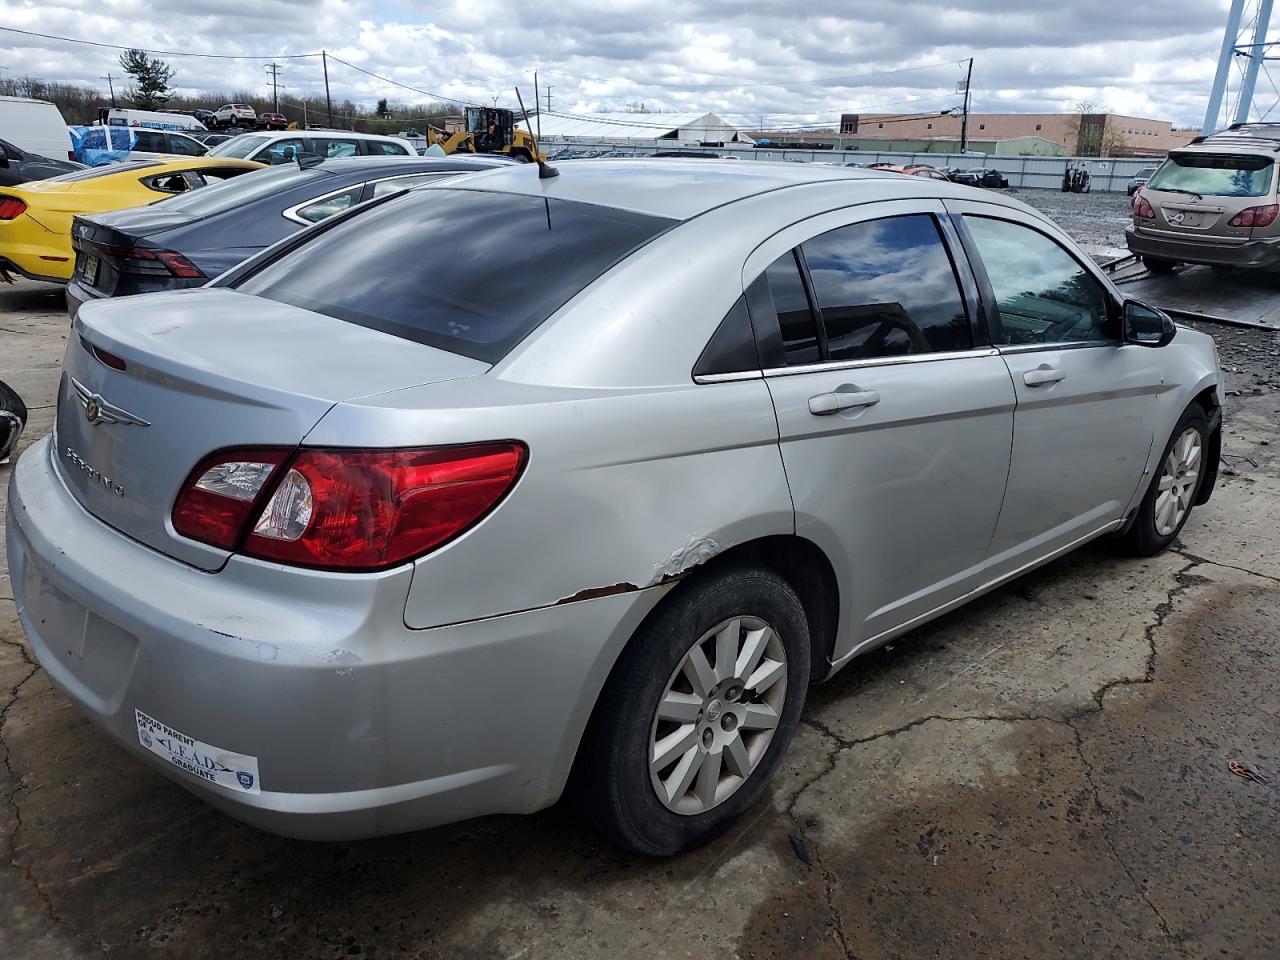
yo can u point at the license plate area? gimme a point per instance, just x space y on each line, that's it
91 269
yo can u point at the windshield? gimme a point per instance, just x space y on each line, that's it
238 147
1215 175
240 190
407 269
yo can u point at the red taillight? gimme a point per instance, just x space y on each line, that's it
11 208
344 509
1141 207
1263 216
152 263
216 503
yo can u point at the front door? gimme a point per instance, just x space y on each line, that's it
1084 423
895 419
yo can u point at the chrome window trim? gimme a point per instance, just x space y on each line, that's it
291 213
1061 345
882 361
733 377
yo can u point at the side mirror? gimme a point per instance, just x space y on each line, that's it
1146 326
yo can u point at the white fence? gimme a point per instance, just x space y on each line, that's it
1108 175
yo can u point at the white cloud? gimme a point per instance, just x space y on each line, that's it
741 58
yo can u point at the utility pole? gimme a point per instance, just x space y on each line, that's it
328 100
275 87
548 98
964 124
111 87
1256 54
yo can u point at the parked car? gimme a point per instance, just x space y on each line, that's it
1213 202
35 218
490 488
18 166
206 117
924 170
287 146
1139 179
35 126
186 240
272 121
235 115
212 139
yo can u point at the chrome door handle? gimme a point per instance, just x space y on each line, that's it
1042 375
825 404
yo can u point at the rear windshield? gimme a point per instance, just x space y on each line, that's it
241 190
238 147
93 173
466 271
1215 175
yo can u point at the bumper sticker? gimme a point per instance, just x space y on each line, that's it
235 771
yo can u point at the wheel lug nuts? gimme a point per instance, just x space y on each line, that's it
729 722
707 737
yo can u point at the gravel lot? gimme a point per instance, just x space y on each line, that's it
1093 219
1041 774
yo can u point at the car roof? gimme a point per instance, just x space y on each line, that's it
344 134
339 166
673 188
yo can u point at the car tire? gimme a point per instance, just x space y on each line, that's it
751 608
1156 265
1160 520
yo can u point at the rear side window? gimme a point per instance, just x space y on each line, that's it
238 147
466 271
337 148
1210 175
385 148
795 317
327 207
886 288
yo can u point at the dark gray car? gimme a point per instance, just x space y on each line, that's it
18 166
171 245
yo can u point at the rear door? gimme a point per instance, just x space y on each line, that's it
895 418
1086 401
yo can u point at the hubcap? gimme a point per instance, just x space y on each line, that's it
1177 484
717 715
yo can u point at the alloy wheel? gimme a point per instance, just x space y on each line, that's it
717 715
1177 485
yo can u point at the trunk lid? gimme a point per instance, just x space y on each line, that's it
101 243
207 369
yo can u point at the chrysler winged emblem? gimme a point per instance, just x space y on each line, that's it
98 410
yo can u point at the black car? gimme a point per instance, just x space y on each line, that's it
206 117
18 166
977 177
187 240
209 138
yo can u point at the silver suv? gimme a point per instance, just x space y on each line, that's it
1213 202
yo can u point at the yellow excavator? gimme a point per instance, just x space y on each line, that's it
488 130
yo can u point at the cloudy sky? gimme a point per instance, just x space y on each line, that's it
784 61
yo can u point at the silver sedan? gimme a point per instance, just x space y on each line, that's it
515 484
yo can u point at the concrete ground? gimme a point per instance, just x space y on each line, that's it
1041 774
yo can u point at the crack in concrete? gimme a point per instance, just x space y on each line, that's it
1184 581
11 801
1107 816
1198 561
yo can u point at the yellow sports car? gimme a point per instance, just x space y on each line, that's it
35 218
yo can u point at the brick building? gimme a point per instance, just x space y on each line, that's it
1078 134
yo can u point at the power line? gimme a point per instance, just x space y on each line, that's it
837 81
397 83
166 53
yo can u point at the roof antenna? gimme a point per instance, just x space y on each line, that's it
545 170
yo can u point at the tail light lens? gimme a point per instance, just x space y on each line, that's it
1142 207
153 263
1263 216
11 208
344 509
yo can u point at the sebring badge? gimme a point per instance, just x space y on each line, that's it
98 410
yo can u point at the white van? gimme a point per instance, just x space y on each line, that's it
154 119
286 146
35 126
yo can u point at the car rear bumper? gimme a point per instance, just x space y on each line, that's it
1251 253
358 725
78 294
